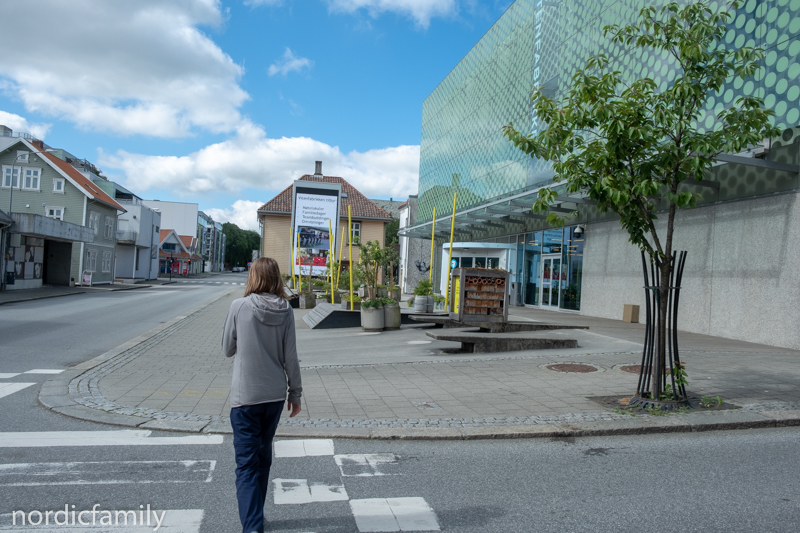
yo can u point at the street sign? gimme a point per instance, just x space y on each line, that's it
249 263
454 263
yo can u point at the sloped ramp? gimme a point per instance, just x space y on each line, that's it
474 341
330 316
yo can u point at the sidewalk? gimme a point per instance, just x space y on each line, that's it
55 291
399 385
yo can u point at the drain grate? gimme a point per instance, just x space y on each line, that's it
572 368
633 369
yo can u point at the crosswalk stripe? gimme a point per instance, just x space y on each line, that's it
298 491
11 388
123 437
303 447
393 514
106 473
7 375
171 521
44 371
366 465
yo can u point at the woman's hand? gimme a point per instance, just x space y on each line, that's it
294 408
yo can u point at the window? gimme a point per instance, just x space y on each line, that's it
94 221
7 181
22 156
169 247
356 231
30 178
54 212
106 262
91 261
109 231
58 185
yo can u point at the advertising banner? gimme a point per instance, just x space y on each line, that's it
314 206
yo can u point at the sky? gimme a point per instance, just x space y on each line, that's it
225 103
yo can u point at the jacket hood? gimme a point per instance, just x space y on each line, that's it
269 309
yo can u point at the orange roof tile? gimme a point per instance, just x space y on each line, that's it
360 205
84 182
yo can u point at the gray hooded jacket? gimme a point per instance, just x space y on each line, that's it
259 331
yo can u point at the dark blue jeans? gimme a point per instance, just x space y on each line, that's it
254 427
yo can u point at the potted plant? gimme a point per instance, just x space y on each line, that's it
438 302
411 301
391 314
346 302
308 299
372 315
421 296
382 291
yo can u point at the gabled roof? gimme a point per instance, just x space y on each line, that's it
187 241
165 233
360 205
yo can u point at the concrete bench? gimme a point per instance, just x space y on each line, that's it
491 327
474 341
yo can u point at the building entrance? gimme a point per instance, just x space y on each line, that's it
550 280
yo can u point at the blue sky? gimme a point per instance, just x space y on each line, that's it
224 103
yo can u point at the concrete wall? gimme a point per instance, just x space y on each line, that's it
741 279
180 216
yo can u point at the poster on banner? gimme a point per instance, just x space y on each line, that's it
315 209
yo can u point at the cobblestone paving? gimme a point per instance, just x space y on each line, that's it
180 374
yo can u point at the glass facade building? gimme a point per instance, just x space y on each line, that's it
541 43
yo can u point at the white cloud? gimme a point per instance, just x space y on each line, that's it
289 63
422 11
21 125
139 67
252 160
242 213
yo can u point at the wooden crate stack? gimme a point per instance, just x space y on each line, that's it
482 295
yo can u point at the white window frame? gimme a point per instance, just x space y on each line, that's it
23 178
106 266
62 181
25 153
91 261
356 232
94 221
54 208
109 228
7 169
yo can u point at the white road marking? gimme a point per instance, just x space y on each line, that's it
123 437
393 514
44 371
303 448
419 342
217 282
106 473
366 465
172 521
298 491
6 376
11 388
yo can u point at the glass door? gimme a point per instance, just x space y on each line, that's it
550 280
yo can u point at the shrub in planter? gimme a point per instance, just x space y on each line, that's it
346 302
438 302
422 296
391 314
372 315
411 301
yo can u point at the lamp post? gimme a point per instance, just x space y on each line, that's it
19 182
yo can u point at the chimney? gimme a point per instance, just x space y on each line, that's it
318 169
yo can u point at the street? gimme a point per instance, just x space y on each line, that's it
711 481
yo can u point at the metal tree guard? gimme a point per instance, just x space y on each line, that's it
655 356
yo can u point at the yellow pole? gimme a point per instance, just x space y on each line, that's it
450 253
433 231
291 255
339 268
331 257
350 247
299 260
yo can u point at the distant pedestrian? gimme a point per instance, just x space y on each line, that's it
259 334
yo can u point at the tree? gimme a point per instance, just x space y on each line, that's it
390 237
629 146
239 244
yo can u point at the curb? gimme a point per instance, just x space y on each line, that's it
54 393
40 298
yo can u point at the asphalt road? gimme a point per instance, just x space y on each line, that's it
738 481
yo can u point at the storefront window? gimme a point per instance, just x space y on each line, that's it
572 261
531 266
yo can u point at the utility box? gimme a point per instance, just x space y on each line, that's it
630 313
479 295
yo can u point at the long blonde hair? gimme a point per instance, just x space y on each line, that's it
265 277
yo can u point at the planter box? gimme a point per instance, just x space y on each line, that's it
396 294
346 306
383 292
308 300
391 317
372 319
421 303
479 295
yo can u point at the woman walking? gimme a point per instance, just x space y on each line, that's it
259 334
